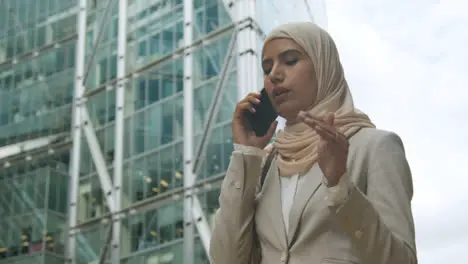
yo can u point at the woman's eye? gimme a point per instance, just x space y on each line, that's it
266 72
291 62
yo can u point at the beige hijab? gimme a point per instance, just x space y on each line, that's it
297 144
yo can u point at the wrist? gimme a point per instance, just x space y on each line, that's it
334 180
331 183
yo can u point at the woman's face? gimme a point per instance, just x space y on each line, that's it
289 77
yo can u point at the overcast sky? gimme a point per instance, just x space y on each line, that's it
407 66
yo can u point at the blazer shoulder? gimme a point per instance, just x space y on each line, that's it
373 143
374 149
373 138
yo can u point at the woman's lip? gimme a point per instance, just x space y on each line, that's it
279 90
281 97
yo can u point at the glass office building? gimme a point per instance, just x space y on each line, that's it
115 120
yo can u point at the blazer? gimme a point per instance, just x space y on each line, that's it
373 226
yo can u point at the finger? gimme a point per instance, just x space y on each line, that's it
330 119
326 125
331 131
251 97
246 106
271 130
316 123
304 116
329 124
325 134
331 137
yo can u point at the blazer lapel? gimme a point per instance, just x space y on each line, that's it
272 203
309 185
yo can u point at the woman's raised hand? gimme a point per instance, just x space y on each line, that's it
332 149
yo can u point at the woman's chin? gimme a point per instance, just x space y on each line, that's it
289 115
284 109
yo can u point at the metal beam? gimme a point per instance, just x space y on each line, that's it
81 120
202 224
213 111
119 130
198 215
229 6
105 247
158 201
98 157
193 212
110 84
207 51
189 179
247 77
103 25
62 144
87 126
70 253
26 146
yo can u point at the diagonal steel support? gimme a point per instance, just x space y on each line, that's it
202 224
198 215
98 157
82 123
229 6
105 247
193 212
101 31
215 104
82 118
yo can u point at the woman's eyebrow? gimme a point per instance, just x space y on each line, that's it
288 52
282 54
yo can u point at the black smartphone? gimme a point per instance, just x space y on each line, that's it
265 114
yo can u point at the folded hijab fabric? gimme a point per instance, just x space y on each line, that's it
297 144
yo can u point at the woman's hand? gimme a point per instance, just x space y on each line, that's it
332 149
241 131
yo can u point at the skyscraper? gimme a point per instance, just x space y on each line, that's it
115 122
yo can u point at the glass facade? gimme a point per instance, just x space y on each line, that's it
272 13
37 58
38 44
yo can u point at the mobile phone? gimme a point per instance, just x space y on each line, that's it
265 114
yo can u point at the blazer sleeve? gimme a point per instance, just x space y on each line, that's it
233 240
380 223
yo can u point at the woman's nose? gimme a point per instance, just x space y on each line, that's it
276 76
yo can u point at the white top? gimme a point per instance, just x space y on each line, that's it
289 188
290 185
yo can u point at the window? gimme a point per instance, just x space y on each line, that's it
153 90
102 71
168 122
142 48
155 46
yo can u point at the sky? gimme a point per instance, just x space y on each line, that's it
407 66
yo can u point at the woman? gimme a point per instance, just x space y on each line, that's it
337 191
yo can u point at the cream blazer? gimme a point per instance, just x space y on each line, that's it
373 226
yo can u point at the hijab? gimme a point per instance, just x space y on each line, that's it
297 143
